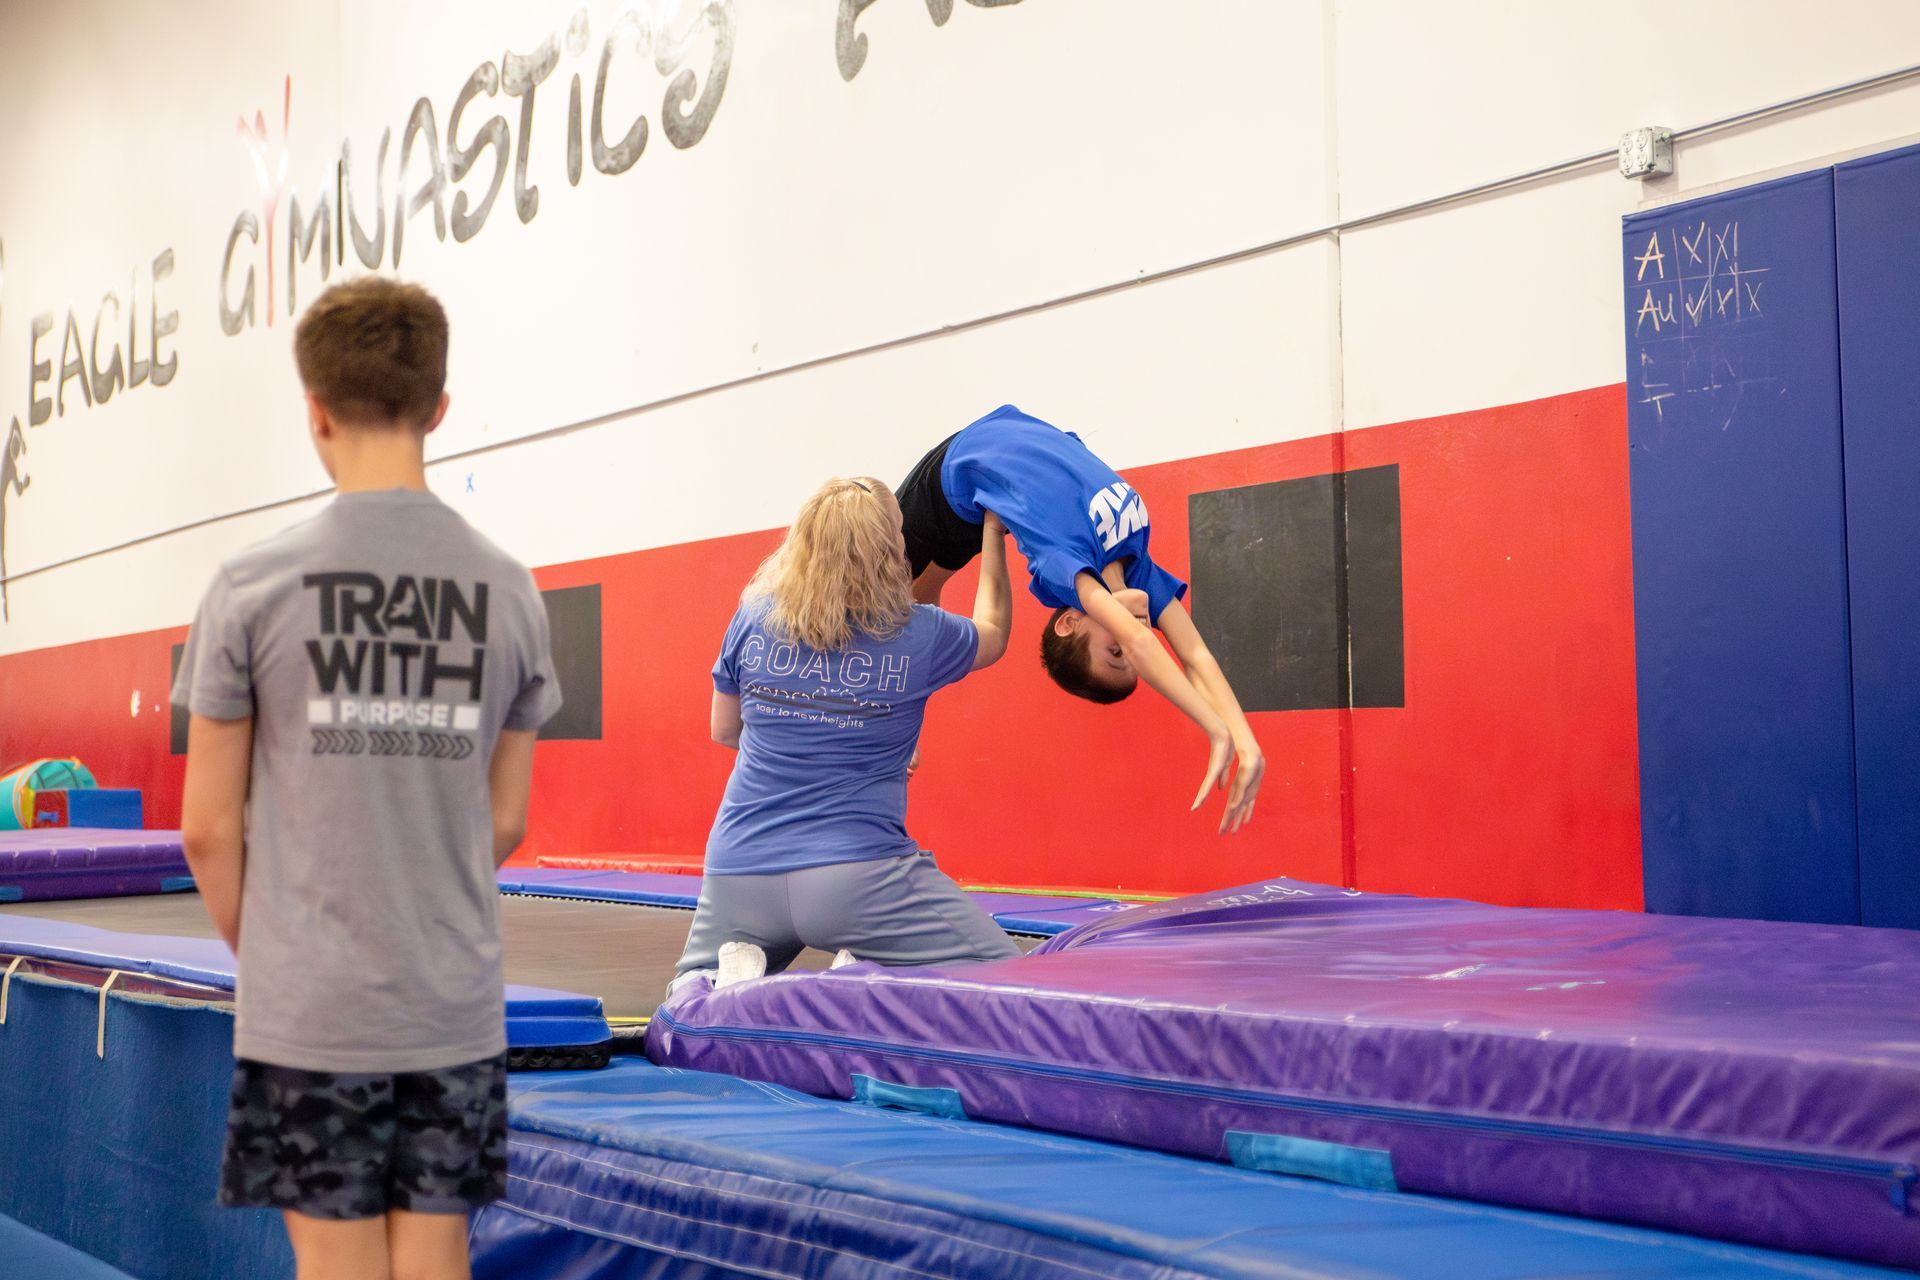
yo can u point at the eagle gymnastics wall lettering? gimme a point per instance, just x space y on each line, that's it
444 160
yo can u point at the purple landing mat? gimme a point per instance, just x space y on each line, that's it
1742 1080
48 863
1014 912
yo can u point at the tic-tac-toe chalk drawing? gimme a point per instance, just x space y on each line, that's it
1700 322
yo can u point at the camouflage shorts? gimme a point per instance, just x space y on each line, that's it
338 1145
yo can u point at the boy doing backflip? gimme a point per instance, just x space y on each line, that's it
364 691
1085 535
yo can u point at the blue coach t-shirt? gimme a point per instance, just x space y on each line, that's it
822 771
1067 510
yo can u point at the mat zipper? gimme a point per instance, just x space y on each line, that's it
1900 1178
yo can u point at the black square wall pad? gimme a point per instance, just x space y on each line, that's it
178 735
1296 586
573 615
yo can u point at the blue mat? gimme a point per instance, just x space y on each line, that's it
119 1155
614 1170
643 1172
25 1252
1014 912
536 1017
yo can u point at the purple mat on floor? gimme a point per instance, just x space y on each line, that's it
89 862
1750 1081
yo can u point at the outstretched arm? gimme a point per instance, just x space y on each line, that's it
993 600
1159 670
1204 672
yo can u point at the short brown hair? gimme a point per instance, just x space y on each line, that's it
1068 660
373 351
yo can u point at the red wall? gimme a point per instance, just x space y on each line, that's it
77 700
1510 774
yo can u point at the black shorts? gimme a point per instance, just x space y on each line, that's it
343 1145
935 532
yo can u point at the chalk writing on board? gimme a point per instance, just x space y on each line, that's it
1698 307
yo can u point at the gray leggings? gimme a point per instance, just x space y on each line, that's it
894 911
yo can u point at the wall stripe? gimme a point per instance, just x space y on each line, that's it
1508 774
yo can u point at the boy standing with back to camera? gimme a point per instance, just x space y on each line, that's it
365 690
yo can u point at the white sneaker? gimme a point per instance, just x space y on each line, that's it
842 958
740 962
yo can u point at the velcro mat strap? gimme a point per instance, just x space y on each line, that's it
944 1103
1306 1158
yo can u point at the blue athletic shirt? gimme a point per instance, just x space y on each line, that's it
1067 510
822 772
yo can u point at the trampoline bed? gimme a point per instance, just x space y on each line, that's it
621 953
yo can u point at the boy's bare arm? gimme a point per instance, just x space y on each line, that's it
213 816
1160 672
509 788
1203 670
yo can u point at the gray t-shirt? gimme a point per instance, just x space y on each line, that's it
380 648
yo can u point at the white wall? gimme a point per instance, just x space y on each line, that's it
1516 296
1015 157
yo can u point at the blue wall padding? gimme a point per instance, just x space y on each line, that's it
1739 555
119 1157
613 1169
1876 207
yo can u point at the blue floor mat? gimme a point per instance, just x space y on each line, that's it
613 1171
26 1253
